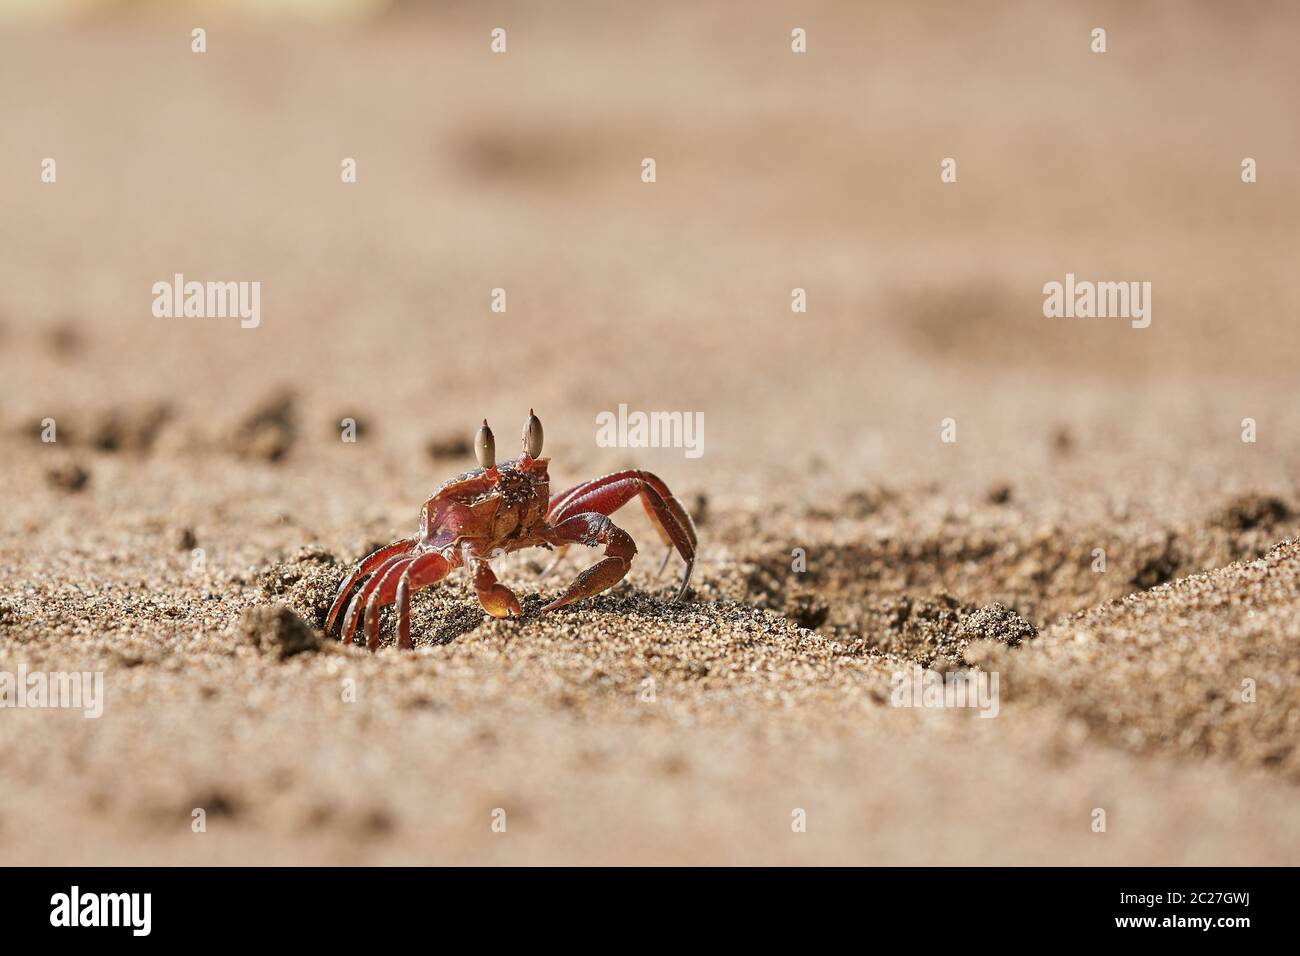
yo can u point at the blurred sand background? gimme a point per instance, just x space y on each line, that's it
822 430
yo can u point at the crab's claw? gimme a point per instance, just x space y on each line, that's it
604 496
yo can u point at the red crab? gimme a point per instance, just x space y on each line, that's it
496 509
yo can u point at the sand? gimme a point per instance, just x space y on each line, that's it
184 533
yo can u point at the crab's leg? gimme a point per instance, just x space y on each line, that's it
497 599
366 566
664 563
382 589
675 527
591 529
611 492
425 570
606 495
404 611
359 599
559 556
656 494
385 592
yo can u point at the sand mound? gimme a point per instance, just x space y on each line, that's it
1204 666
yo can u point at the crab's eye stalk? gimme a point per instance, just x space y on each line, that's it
533 435
485 447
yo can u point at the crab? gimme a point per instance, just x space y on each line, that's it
496 509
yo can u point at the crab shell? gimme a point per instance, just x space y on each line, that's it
502 508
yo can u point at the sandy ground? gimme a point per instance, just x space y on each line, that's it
199 479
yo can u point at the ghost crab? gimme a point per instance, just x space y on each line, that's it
495 509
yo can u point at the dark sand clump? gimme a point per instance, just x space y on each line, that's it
278 630
267 432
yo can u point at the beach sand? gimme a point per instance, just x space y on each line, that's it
1099 535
